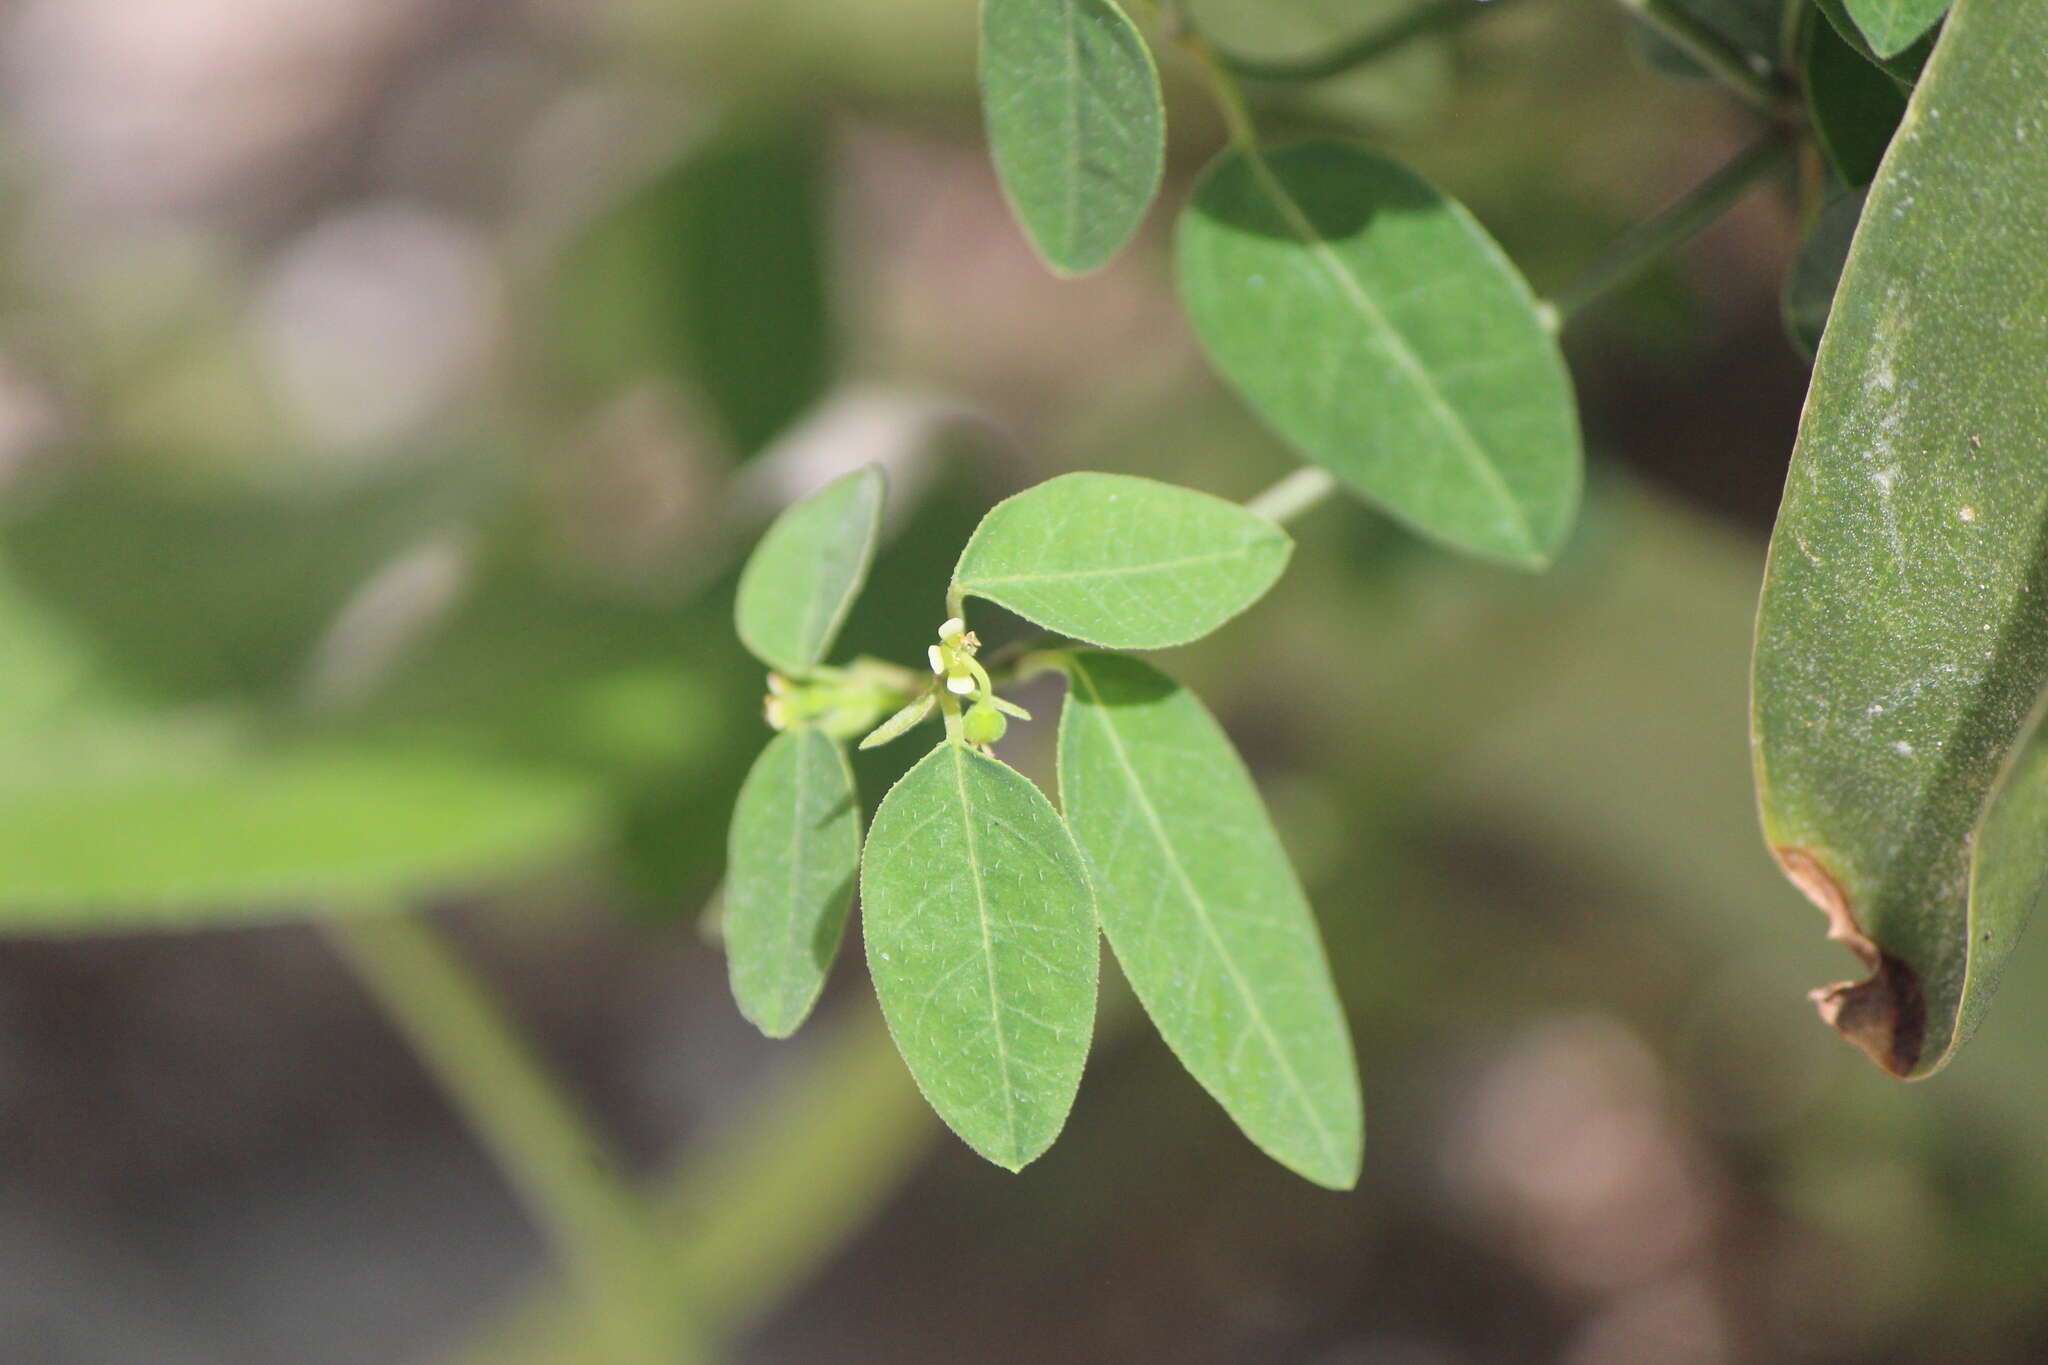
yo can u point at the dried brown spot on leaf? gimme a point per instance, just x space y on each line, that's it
1884 1014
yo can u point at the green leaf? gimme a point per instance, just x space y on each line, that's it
1892 26
1206 915
153 830
1901 642
1855 106
1904 69
1120 561
802 578
789 878
906 719
713 273
1809 291
1076 122
1376 326
981 940
1753 26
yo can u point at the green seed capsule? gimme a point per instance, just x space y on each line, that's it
983 724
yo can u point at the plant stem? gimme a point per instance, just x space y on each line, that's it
545 1148
1676 225
1727 63
1293 495
1435 16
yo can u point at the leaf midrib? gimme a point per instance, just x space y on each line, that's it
1067 575
988 952
1466 443
1324 1139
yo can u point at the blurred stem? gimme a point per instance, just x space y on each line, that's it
753 1210
1437 16
541 1142
1675 226
1293 495
1727 63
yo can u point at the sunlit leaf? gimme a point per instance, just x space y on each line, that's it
1120 561
1206 915
1076 123
1902 640
1892 26
1376 326
789 877
981 940
802 578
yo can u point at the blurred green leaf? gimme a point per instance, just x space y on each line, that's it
713 273
1901 642
1379 329
981 940
789 877
1205 913
1810 284
169 831
1904 68
1892 26
802 578
1751 26
1120 561
1076 122
1855 107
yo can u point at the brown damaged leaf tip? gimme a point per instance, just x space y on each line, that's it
1884 1014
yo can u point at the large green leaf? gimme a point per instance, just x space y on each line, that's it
1378 328
1205 914
1076 123
1892 26
802 578
981 940
794 853
1903 636
1120 561
149 829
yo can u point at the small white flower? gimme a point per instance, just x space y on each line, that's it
954 626
960 686
938 660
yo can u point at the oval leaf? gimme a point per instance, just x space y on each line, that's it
802 578
1902 642
1205 914
1904 69
1075 119
1120 561
1892 26
981 940
1376 326
792 859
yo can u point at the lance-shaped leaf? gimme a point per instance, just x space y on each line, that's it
981 940
1892 26
1120 561
1903 637
1376 326
802 578
1076 122
1205 914
792 858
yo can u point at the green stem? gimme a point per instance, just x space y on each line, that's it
1675 226
1436 17
1745 74
1293 495
546 1149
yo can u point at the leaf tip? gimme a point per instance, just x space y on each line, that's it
1885 1014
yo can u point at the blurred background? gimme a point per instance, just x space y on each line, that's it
388 392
